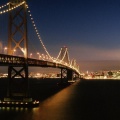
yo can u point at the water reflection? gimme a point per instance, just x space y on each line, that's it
13 109
56 107
14 113
87 100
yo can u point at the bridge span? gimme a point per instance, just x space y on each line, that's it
18 65
6 60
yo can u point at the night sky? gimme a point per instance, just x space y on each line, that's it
89 28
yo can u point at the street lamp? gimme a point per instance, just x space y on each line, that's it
14 51
47 57
38 55
43 56
30 55
5 50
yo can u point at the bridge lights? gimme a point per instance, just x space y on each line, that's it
30 55
43 56
47 57
14 51
38 55
5 50
54 60
9 9
66 63
23 50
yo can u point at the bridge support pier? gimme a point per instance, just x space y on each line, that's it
63 76
69 74
18 85
66 75
18 88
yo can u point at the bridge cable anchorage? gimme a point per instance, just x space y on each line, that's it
12 8
36 30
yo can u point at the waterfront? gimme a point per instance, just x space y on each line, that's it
83 100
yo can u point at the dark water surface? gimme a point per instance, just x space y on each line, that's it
83 100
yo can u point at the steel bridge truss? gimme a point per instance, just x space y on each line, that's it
17 31
18 84
66 74
17 40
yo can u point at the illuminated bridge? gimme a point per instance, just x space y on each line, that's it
17 56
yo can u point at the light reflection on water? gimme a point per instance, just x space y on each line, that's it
56 107
13 109
86 100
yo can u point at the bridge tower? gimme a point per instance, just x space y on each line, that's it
66 74
64 56
18 87
17 30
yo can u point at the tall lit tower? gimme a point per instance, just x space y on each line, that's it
17 31
17 41
64 54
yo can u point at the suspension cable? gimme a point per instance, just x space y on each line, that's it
64 55
68 57
12 8
4 5
36 30
39 37
59 54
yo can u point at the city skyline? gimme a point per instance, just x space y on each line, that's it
90 29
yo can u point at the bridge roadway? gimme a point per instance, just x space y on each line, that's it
6 60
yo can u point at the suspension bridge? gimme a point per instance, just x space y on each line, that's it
19 62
